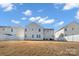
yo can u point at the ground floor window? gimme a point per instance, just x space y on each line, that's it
25 36
38 36
32 36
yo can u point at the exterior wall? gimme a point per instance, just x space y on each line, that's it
5 30
72 29
69 33
59 34
33 30
48 34
72 32
19 32
72 38
11 33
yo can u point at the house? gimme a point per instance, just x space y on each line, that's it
34 31
69 32
48 34
11 33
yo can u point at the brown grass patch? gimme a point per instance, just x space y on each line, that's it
38 48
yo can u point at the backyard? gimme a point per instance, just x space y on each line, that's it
38 48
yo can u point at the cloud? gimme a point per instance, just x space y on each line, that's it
45 20
23 18
34 18
69 6
16 22
42 20
7 6
28 12
77 15
49 21
60 23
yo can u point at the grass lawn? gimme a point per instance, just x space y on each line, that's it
38 48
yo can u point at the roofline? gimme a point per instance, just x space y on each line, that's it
48 29
35 23
40 25
8 26
67 25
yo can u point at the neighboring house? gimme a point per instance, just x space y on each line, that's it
11 33
48 34
34 31
19 32
69 32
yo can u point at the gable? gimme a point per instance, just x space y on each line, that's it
72 25
33 25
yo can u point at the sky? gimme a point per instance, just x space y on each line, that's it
48 15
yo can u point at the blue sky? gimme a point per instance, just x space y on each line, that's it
49 15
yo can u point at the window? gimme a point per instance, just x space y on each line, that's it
32 29
25 35
65 29
47 30
3 29
9 34
39 30
38 36
25 30
52 35
32 36
11 30
65 35
72 28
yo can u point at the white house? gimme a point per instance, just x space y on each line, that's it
48 34
34 31
69 32
11 33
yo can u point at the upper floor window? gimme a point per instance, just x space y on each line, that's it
11 30
72 28
39 30
9 34
32 29
65 29
65 34
25 35
47 30
3 29
25 30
